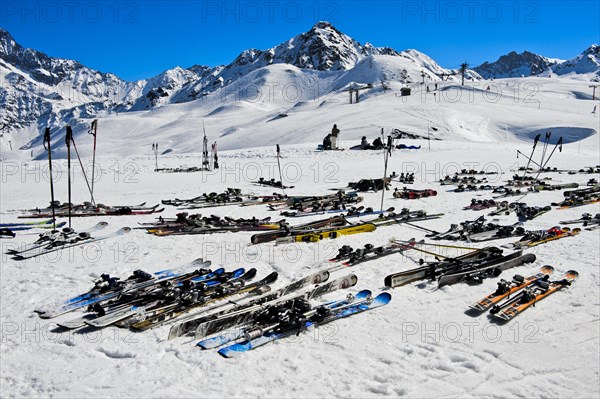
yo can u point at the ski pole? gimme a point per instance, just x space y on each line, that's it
93 130
535 141
47 141
559 146
155 149
279 166
429 253
205 161
387 152
528 159
439 245
215 156
83 172
68 143
546 142
420 227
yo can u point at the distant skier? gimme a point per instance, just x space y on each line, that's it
335 132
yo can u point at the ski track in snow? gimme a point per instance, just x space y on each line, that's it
423 344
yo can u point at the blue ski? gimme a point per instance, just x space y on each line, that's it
234 335
238 348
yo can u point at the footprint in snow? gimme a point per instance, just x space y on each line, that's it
116 354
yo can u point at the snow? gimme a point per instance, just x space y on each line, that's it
422 344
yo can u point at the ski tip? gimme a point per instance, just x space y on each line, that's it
363 294
572 275
198 261
547 269
476 307
271 278
175 332
387 281
232 351
249 275
382 299
320 277
349 281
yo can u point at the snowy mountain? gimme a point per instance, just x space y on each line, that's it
42 89
514 65
315 67
588 62
45 89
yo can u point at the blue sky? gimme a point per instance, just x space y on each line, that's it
139 39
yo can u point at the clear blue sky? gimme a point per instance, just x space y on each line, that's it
139 39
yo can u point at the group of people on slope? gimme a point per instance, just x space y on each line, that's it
377 144
330 142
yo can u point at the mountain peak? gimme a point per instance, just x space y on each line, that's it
323 25
514 64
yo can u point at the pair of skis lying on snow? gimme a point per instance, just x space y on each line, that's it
338 226
471 267
53 241
513 297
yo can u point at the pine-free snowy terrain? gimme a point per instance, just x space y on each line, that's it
422 344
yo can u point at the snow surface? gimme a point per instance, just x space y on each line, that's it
422 344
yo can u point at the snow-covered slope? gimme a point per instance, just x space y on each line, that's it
423 344
249 113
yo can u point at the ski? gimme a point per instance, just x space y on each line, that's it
348 257
100 294
70 243
49 237
290 230
479 205
316 319
550 187
409 194
507 288
227 290
136 309
531 295
585 219
216 322
534 238
40 226
35 223
321 234
433 270
243 331
190 322
474 274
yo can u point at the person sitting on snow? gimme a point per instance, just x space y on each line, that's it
327 142
377 143
364 144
